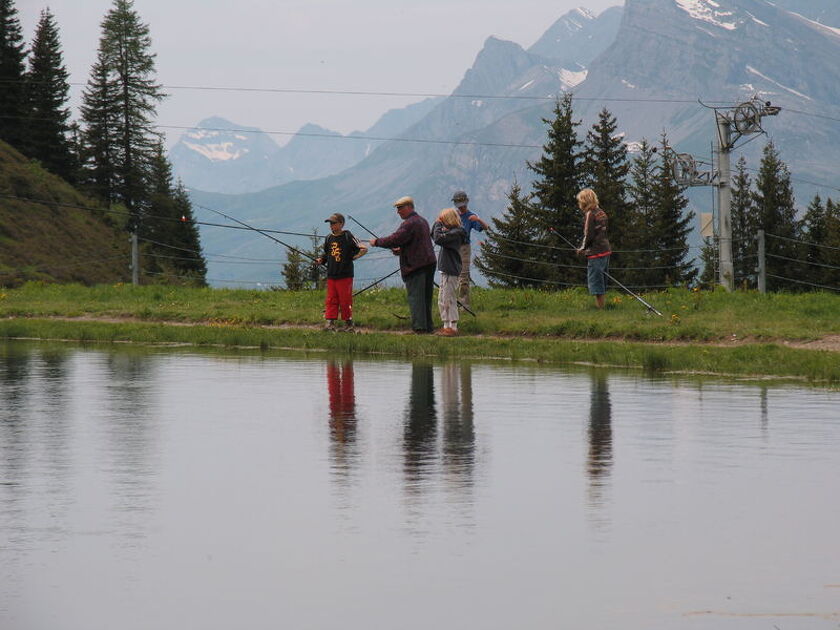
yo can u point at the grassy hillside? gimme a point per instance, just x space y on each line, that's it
54 241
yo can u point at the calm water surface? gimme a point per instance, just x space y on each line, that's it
173 491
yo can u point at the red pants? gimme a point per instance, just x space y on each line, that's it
339 295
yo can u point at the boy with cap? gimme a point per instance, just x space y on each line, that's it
470 221
341 248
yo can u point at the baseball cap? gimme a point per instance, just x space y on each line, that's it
335 217
460 197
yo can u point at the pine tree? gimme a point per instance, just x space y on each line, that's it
744 244
776 215
831 246
12 75
557 184
638 229
510 255
97 153
709 258
169 229
46 96
185 235
295 271
671 226
604 168
120 104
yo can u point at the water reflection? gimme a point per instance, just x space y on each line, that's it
129 424
343 421
600 458
420 428
458 427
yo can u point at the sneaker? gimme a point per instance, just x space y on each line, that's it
446 332
330 326
348 327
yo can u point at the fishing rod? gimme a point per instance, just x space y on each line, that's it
466 308
263 232
375 283
646 304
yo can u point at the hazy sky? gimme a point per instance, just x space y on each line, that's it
365 45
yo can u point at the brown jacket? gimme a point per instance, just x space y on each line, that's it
595 243
415 243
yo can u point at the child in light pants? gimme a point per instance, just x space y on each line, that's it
449 234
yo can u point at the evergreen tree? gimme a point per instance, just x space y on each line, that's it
185 235
831 246
814 235
671 226
12 75
604 168
96 147
169 228
509 255
46 96
776 215
709 258
744 244
638 230
557 184
120 104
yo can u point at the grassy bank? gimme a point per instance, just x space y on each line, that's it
553 327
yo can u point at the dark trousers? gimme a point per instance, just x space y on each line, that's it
419 285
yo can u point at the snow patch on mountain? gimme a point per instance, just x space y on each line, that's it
218 152
822 27
571 78
752 70
708 11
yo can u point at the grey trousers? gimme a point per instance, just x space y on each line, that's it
419 286
464 278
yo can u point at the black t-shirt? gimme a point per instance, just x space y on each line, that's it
338 252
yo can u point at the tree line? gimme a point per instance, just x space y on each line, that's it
649 224
801 252
113 152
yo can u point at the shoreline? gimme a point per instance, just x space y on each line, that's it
741 359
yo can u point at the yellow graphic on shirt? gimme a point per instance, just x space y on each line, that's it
335 252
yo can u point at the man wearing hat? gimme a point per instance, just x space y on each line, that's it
341 248
413 242
470 221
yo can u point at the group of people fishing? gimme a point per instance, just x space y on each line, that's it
413 241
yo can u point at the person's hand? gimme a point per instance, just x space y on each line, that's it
319 261
579 251
372 242
396 251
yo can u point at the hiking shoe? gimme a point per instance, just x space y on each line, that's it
330 326
446 332
348 327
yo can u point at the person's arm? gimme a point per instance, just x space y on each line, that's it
400 237
323 258
479 224
587 232
360 247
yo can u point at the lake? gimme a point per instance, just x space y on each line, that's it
180 489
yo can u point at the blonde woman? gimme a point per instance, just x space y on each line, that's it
595 245
449 233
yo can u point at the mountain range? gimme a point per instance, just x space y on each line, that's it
651 63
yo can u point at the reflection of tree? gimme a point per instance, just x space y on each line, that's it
458 428
128 419
343 421
600 459
14 437
420 430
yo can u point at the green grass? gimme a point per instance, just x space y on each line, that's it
558 327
